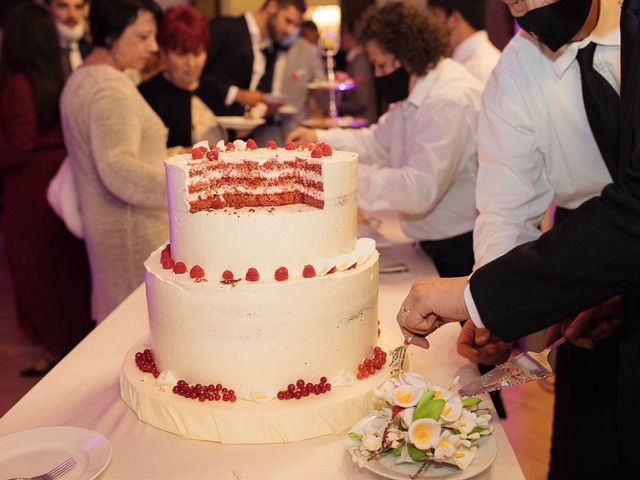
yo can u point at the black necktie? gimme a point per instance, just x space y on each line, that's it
602 104
266 82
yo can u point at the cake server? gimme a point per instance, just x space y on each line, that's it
523 368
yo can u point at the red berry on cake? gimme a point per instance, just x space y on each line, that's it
227 275
316 152
272 145
179 268
252 275
281 274
196 272
308 271
212 154
289 146
230 146
327 151
251 144
167 263
198 153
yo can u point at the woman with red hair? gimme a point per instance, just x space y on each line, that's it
176 94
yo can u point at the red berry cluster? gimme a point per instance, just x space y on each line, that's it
165 258
304 389
318 150
145 363
204 392
251 144
198 153
370 365
167 262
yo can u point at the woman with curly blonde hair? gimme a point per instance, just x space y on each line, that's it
420 159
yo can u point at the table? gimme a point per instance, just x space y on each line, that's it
83 390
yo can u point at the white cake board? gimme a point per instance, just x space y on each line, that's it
245 422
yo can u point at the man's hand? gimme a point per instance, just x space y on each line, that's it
479 345
249 98
430 303
302 135
594 324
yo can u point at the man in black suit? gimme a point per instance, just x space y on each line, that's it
244 53
593 256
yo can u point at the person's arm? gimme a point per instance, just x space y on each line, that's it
512 190
19 132
116 136
440 134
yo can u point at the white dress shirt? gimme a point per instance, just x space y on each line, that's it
420 159
535 145
259 43
478 55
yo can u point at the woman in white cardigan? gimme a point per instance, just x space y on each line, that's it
116 146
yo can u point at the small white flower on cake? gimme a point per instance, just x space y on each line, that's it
463 458
404 456
452 410
414 379
344 262
372 442
441 393
262 394
167 378
203 143
385 391
446 447
322 267
364 249
345 378
240 145
406 416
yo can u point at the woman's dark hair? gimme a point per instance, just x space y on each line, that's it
411 34
30 46
109 18
473 11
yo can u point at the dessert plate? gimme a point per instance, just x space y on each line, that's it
386 467
239 122
32 452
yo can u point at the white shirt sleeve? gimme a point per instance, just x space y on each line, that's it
513 190
232 93
471 307
409 173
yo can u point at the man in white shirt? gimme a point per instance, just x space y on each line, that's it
69 17
470 44
420 158
537 145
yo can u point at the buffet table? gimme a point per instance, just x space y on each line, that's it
83 391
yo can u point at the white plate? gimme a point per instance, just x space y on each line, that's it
239 122
34 452
385 466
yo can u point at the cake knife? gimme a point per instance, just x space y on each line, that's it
522 368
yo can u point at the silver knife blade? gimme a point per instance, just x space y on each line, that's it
520 369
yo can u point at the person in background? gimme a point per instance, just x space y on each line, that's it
69 17
469 41
309 32
549 131
117 145
48 266
362 100
420 159
246 54
177 93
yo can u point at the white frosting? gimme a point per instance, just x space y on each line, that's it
262 333
266 238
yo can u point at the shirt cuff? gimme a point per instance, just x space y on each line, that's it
232 93
471 307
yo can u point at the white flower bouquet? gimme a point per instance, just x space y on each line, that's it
415 421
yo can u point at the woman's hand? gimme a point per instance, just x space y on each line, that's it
301 136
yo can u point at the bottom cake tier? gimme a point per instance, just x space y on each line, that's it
243 421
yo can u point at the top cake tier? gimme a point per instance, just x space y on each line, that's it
239 207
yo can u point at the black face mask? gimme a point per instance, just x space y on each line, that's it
556 24
393 87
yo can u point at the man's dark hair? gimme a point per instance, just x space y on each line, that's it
411 34
473 11
109 18
31 47
299 5
48 2
309 25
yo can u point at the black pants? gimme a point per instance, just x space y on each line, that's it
453 257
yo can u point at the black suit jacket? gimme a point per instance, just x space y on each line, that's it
592 256
229 60
173 106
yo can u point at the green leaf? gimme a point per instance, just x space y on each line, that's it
416 454
355 436
396 452
477 430
471 401
428 409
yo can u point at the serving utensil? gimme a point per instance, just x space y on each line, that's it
523 368
54 473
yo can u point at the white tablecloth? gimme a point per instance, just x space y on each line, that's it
83 391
